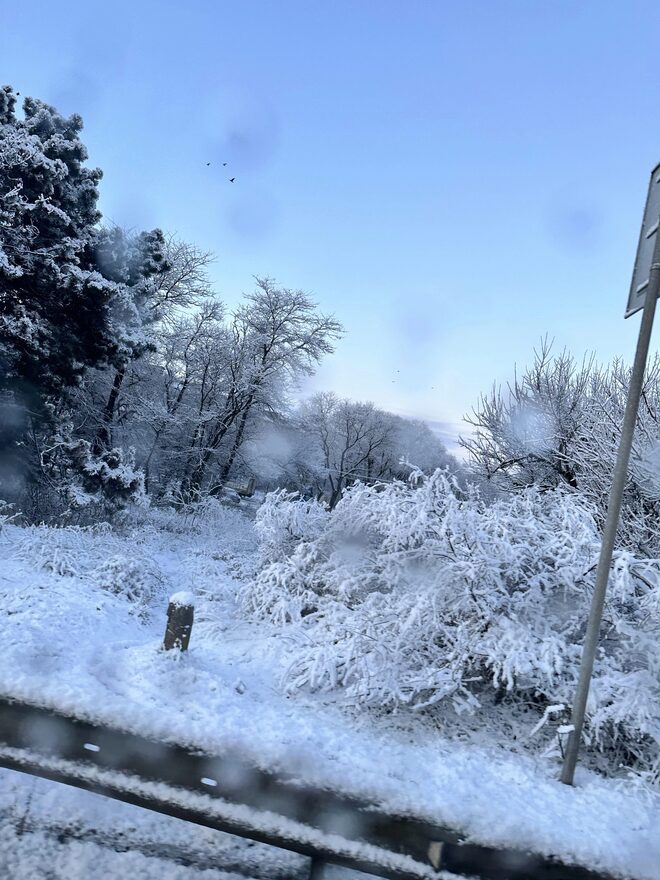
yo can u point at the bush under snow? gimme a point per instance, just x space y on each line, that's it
427 595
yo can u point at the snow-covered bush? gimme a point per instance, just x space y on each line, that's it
100 482
109 477
69 551
125 577
7 513
430 596
93 553
284 519
559 424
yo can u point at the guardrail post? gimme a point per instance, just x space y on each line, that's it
180 613
317 869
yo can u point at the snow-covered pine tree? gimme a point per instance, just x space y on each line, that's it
53 301
70 292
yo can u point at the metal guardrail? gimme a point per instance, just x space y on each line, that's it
252 864
207 790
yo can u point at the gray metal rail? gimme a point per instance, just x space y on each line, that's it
252 864
76 752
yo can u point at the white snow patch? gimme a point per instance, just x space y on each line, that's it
183 597
71 645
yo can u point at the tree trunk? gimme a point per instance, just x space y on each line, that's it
104 435
336 493
238 439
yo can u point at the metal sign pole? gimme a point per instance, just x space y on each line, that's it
612 521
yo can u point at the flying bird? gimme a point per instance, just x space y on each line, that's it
208 163
232 179
223 164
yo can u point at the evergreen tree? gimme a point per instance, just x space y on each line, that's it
53 301
72 294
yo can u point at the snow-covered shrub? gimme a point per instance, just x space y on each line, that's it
126 577
92 484
284 519
69 552
94 553
430 596
109 477
7 513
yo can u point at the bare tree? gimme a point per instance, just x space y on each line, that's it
180 388
354 440
154 299
559 425
278 336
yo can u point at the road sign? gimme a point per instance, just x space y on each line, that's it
643 294
647 236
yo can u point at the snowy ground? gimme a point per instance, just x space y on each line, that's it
70 642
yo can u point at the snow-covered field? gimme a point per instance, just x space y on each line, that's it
83 617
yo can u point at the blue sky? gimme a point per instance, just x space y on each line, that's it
453 180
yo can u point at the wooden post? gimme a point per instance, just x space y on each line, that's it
180 612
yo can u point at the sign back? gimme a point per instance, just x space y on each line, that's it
642 270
